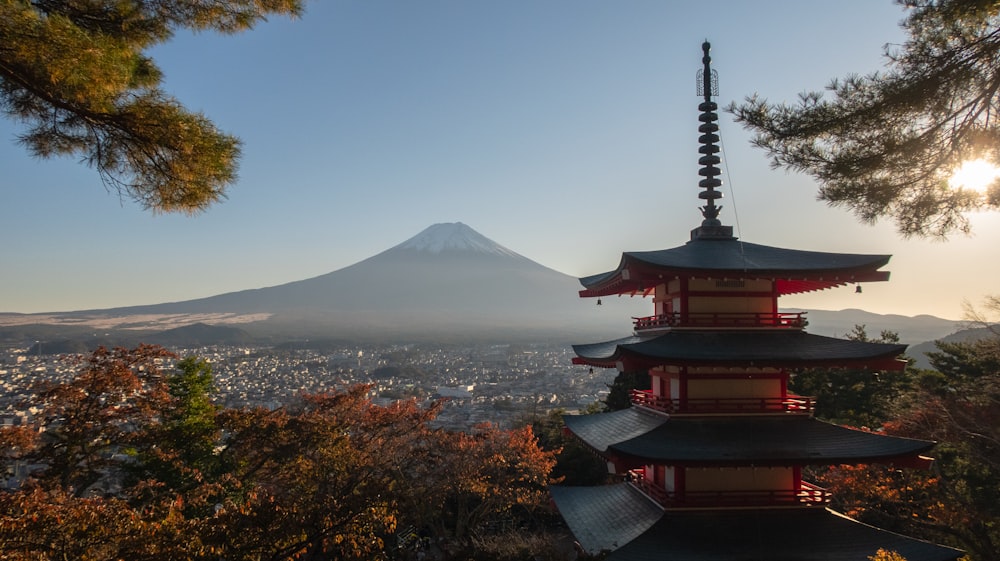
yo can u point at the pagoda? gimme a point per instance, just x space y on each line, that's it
711 458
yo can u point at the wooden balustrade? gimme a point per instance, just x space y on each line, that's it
807 494
787 404
783 320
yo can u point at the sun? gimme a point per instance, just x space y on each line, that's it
976 175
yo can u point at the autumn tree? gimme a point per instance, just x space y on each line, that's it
77 75
335 475
50 524
318 479
488 477
89 422
957 501
887 143
886 555
136 462
74 505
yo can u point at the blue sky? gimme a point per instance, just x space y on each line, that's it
565 130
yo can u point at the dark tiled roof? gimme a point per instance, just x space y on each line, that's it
735 255
771 535
602 430
619 519
607 516
752 348
760 440
737 258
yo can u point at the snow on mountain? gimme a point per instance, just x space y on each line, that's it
454 236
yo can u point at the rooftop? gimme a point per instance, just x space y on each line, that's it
607 518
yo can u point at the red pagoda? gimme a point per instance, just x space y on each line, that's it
712 456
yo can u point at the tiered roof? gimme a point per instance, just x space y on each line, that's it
632 525
776 348
794 270
636 437
620 519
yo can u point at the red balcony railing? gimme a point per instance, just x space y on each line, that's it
787 404
807 494
784 320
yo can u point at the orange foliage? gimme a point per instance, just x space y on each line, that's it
330 476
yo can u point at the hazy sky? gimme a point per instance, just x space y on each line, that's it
565 130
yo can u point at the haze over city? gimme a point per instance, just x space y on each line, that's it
565 131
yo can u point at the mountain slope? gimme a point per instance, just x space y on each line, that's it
919 352
446 279
445 266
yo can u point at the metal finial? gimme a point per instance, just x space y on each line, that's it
708 138
708 85
708 79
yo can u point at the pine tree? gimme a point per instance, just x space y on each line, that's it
75 73
887 143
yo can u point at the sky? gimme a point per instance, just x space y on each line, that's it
565 130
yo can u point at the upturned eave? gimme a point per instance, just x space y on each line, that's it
794 271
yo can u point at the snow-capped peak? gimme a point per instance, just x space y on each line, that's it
452 236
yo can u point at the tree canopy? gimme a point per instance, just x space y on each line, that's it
957 501
858 398
75 73
130 459
887 143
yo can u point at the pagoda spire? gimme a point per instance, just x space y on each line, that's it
708 86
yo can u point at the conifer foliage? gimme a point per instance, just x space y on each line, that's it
76 74
887 143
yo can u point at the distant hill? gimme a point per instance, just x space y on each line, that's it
918 352
199 334
911 330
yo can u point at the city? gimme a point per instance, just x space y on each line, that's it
500 384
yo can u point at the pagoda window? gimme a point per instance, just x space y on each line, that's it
681 298
660 386
659 475
666 476
663 383
663 301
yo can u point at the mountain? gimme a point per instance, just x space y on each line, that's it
447 281
447 267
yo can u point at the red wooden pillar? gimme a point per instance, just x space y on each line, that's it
684 299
